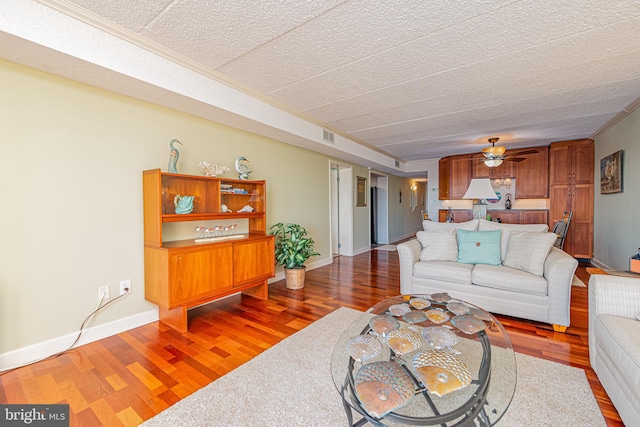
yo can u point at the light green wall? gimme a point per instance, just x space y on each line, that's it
403 222
617 216
73 157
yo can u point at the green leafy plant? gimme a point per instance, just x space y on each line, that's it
293 245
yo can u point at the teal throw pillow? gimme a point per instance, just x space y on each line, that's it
479 247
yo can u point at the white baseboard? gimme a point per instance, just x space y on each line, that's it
25 355
311 266
600 264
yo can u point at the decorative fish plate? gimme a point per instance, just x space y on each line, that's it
363 347
399 309
419 303
468 324
437 316
383 387
441 371
439 337
441 297
403 341
458 308
415 316
383 324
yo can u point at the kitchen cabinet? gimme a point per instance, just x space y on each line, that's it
571 177
480 170
454 175
532 174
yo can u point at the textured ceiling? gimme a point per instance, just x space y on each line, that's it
415 79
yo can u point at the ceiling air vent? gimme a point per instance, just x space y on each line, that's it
397 163
327 136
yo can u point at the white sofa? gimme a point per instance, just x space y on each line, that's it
508 290
614 341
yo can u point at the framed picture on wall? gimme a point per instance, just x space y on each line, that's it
611 173
361 199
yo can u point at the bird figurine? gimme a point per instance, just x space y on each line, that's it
242 169
173 156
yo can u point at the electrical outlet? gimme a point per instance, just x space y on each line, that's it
103 292
125 286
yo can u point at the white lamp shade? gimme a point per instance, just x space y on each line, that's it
480 188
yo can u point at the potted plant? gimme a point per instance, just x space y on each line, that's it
293 247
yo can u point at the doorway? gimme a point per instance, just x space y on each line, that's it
341 209
379 209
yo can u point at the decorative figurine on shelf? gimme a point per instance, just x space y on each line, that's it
224 208
242 169
507 201
449 217
212 170
246 208
184 204
173 156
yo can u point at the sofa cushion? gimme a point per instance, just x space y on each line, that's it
439 245
479 247
619 337
437 226
484 225
511 279
447 271
528 251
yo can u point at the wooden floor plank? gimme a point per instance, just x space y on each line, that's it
128 378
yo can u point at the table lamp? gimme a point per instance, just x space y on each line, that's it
479 190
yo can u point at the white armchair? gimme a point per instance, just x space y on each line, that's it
614 340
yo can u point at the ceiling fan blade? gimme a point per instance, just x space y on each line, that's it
515 159
519 153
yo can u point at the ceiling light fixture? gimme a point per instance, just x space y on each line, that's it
494 155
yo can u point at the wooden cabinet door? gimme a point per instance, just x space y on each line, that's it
534 217
253 260
198 274
506 216
532 175
460 176
580 233
444 169
560 172
583 163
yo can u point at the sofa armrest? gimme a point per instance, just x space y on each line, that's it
559 268
409 254
615 295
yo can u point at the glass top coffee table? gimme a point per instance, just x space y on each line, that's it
425 360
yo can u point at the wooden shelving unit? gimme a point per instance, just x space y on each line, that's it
183 274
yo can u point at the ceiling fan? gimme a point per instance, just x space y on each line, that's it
494 156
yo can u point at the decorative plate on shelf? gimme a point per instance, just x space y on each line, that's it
468 324
383 324
437 315
420 303
363 347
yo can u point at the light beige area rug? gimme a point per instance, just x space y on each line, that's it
290 385
385 248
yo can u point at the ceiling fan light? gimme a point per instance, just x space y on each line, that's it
493 163
494 151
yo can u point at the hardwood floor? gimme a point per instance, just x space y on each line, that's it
125 379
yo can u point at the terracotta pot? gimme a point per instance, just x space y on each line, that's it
294 277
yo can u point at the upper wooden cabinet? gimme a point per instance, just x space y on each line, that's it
454 175
532 174
571 186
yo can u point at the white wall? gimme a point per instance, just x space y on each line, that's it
617 216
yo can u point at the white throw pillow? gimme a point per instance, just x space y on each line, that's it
439 245
484 225
527 251
438 226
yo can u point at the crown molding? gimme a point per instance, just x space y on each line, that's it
617 118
